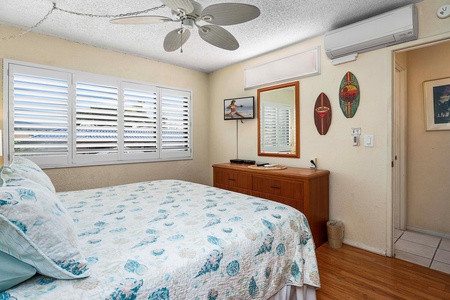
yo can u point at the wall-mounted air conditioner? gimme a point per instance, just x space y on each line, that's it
384 30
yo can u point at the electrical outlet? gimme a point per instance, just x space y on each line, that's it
313 163
443 11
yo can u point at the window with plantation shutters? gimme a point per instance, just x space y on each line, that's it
276 121
175 123
140 121
40 113
61 118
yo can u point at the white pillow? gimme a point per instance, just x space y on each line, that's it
23 167
37 229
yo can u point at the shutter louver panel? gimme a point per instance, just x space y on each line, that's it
140 120
175 124
96 119
40 114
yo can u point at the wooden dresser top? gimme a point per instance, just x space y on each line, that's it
288 172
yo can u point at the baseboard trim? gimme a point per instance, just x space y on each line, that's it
429 232
365 247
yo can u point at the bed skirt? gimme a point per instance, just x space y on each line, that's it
289 292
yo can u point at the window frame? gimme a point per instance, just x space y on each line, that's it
89 160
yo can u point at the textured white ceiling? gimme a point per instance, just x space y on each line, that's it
281 23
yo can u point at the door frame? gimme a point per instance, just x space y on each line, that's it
392 177
399 146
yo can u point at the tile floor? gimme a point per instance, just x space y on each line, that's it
426 250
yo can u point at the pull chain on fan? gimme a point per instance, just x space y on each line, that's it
181 39
189 13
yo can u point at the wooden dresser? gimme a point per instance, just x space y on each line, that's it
304 189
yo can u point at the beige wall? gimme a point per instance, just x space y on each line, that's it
360 180
428 205
46 50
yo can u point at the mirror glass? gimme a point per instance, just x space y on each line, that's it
278 124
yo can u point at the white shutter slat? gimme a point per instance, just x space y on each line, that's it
41 122
30 114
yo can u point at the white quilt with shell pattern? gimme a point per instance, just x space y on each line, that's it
172 239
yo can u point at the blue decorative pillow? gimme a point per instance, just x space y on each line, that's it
13 271
23 167
37 229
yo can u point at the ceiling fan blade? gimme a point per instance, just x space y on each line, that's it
219 37
176 5
175 39
230 13
141 20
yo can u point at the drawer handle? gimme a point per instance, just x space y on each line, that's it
275 187
231 179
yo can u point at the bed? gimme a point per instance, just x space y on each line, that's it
164 239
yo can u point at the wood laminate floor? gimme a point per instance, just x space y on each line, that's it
352 273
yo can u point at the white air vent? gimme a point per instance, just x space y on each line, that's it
384 30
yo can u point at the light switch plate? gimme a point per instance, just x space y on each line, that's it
368 140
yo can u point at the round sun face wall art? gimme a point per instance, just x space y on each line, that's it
349 95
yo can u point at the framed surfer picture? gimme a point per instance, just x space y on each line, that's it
437 104
239 108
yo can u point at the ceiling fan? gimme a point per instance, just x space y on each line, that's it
189 13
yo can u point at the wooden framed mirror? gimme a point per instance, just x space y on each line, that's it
279 120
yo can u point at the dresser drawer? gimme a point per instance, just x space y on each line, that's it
279 187
233 180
